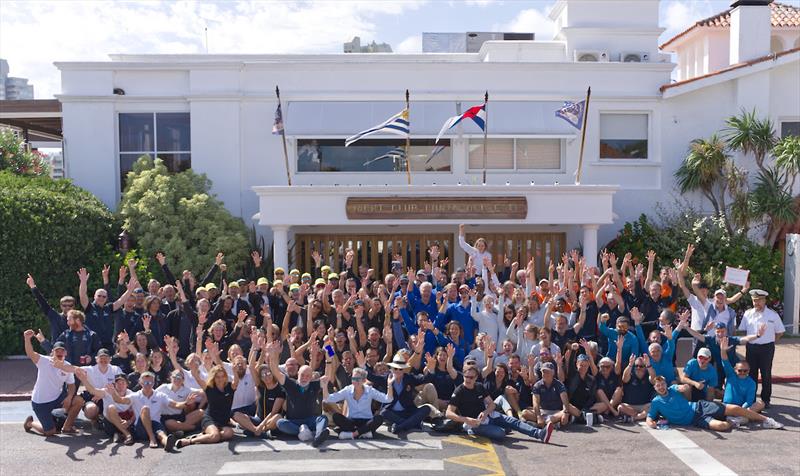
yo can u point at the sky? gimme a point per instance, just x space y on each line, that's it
34 34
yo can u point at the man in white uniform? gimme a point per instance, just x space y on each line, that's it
760 351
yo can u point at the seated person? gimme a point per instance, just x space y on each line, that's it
700 378
740 388
550 401
359 421
670 404
637 388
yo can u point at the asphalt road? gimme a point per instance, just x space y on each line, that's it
605 449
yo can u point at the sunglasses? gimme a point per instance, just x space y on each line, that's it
640 366
700 357
742 371
470 377
147 383
357 379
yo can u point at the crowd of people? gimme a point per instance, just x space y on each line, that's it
488 350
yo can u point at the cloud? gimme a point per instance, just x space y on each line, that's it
532 20
412 44
34 34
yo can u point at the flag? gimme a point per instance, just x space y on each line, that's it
572 113
277 126
476 113
396 153
397 124
434 152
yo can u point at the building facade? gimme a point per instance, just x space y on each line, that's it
214 113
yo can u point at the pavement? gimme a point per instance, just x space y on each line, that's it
578 450
19 374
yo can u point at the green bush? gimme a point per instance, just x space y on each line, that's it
670 232
48 228
175 214
15 156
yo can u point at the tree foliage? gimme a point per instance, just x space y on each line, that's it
16 156
175 214
50 228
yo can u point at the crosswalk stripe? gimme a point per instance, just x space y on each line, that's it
295 445
687 451
330 466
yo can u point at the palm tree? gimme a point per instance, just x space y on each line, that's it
703 170
787 157
772 198
748 134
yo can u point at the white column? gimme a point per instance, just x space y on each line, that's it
590 244
280 246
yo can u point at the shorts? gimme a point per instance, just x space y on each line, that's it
87 397
208 421
44 411
180 417
548 413
249 410
140 433
706 412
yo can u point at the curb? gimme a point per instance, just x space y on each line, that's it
784 379
14 397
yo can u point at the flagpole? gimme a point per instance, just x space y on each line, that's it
583 135
408 142
283 138
485 131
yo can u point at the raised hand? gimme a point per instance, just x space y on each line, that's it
146 321
636 315
30 282
241 316
451 351
361 359
651 256
723 345
105 272
28 334
161 258
387 334
762 328
39 336
256 257
83 275
132 263
317 258
430 361
218 258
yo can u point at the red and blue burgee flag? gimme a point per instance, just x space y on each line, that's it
573 113
476 113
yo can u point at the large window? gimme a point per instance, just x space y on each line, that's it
516 154
623 136
790 128
372 155
165 135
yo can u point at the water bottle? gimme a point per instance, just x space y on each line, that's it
662 424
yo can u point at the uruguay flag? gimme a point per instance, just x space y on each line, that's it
397 124
476 113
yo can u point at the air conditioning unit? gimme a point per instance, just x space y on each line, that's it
592 56
634 57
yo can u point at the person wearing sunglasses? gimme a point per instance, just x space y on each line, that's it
637 388
740 389
359 421
173 419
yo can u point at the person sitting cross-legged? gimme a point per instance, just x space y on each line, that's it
359 421
473 407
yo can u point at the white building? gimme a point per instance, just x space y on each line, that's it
214 113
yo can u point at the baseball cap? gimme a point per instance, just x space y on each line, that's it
325 269
704 352
241 282
720 325
278 282
582 357
199 289
756 293
359 302
548 366
58 345
403 277
233 285
103 353
319 281
294 271
470 358
421 272
210 286
332 275
720 291
262 281
147 374
294 287
279 270
306 275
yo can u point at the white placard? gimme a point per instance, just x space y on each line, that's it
736 276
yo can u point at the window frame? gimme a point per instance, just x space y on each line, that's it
783 119
562 138
650 137
153 153
293 151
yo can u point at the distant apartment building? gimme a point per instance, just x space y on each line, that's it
12 88
355 47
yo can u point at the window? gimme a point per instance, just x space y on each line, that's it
790 128
623 136
372 155
165 135
516 154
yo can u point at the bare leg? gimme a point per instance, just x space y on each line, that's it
113 417
736 410
72 414
757 406
91 410
144 416
210 435
528 415
226 434
717 425
616 398
36 427
244 421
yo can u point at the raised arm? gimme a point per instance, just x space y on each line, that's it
33 355
274 349
83 278
132 284
462 242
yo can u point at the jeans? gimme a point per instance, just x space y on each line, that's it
292 427
407 418
361 425
495 428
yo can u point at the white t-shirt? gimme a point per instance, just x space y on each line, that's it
190 381
99 379
178 395
157 402
49 381
699 311
246 393
537 347
108 401
752 319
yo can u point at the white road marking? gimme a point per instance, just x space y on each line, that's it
296 445
330 466
687 451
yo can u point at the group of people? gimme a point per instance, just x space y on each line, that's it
487 350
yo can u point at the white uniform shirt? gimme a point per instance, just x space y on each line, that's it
179 395
99 379
246 393
49 381
157 402
108 401
753 319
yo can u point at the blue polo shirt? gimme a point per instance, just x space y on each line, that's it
549 397
461 314
738 390
694 372
629 346
673 406
663 367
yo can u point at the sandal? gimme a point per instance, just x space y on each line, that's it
153 444
128 440
69 431
27 424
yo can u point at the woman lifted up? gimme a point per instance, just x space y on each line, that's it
479 252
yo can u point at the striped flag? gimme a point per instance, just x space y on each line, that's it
396 153
277 126
434 152
397 124
476 113
572 112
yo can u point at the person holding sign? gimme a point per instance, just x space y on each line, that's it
760 351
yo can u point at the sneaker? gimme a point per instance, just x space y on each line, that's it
548 432
367 436
393 429
305 434
28 423
598 420
346 435
771 424
323 435
170 443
